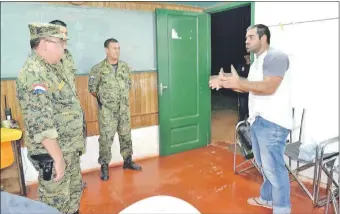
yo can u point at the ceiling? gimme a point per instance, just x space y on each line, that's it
201 4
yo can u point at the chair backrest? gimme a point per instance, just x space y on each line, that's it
301 125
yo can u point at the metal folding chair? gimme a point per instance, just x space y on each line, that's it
332 194
327 167
237 145
292 152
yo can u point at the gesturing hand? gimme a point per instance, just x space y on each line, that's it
214 82
232 81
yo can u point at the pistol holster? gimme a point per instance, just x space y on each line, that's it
45 162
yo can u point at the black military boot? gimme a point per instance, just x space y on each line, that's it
76 212
105 172
83 185
129 164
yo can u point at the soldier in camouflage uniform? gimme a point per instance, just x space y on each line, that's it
53 118
69 68
110 83
67 60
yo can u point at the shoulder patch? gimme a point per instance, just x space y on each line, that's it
39 88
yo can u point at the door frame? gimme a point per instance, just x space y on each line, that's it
209 11
229 6
221 8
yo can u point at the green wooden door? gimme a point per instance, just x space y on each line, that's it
183 59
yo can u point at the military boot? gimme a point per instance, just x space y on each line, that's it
77 212
105 172
129 164
83 185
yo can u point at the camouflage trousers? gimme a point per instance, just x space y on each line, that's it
110 123
65 194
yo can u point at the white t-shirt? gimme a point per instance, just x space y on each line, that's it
276 108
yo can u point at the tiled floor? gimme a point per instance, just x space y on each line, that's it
202 177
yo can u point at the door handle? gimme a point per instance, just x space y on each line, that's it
161 87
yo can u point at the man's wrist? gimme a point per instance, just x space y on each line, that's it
58 158
242 84
53 149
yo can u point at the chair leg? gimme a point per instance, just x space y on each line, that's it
316 180
300 183
244 162
245 169
325 200
329 190
235 147
336 205
321 201
254 163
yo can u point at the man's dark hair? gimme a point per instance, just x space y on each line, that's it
58 22
35 42
261 30
108 41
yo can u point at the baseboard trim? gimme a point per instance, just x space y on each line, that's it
120 163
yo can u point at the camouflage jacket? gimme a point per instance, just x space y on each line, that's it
69 68
112 87
49 107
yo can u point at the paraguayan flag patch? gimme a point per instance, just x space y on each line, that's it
39 89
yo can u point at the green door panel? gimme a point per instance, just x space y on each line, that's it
183 59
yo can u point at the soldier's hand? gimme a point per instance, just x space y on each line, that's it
60 169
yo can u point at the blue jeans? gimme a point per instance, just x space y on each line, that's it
269 143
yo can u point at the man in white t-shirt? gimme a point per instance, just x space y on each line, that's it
270 116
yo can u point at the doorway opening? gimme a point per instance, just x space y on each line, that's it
228 30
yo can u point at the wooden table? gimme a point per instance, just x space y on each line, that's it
12 173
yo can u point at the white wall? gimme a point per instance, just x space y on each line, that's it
144 141
313 50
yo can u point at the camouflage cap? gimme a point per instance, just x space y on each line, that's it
39 30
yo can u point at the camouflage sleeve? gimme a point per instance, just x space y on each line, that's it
71 62
129 80
128 75
94 78
36 107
